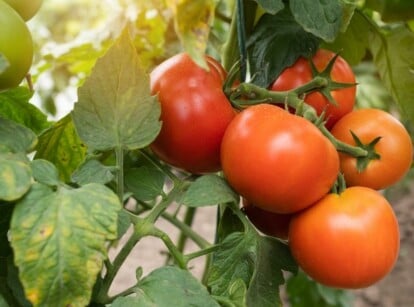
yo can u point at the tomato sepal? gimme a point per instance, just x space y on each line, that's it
363 161
331 84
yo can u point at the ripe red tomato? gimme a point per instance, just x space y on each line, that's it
300 73
350 240
194 113
269 223
278 161
394 148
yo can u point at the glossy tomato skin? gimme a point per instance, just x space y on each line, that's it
394 147
280 162
349 240
194 113
300 73
16 45
269 223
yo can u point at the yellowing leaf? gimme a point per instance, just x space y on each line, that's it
193 19
59 241
60 144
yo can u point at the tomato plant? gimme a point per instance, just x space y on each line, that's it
273 159
270 223
111 154
26 8
386 139
16 46
195 113
350 240
301 72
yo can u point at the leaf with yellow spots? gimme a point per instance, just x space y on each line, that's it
15 176
193 19
59 241
61 145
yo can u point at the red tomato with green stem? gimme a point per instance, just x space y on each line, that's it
347 240
280 162
194 113
387 141
301 72
269 223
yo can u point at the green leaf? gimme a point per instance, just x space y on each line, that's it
132 301
45 172
271 6
171 286
3 302
145 182
276 43
272 257
93 171
79 59
124 221
209 190
348 9
304 292
237 293
115 108
256 260
371 92
168 286
234 260
59 240
60 144
15 176
229 222
321 18
393 56
14 105
193 19
353 43
16 137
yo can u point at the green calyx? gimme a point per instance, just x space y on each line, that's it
362 162
331 84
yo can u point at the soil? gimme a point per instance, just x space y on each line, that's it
395 290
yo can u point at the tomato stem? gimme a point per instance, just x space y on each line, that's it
175 253
188 220
354 151
241 35
231 51
202 252
247 94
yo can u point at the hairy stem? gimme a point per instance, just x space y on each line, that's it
175 253
201 252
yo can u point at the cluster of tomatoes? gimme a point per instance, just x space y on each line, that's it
16 45
285 168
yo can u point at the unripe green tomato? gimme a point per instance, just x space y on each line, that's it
16 46
26 8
